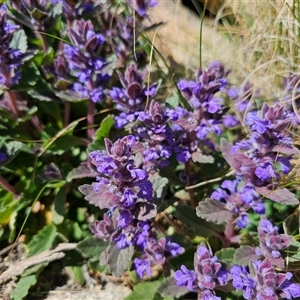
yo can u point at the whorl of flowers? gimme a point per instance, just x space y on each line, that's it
263 282
132 98
265 156
205 277
234 202
73 10
155 252
10 59
124 189
141 6
271 242
84 61
206 111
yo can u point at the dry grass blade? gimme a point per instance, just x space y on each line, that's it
46 256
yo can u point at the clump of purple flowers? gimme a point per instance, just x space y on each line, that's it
124 189
263 282
237 203
205 277
155 252
85 62
132 98
262 159
271 242
10 59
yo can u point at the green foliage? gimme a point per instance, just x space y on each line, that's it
43 240
145 290
23 286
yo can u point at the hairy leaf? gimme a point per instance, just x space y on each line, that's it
103 198
169 288
116 259
144 290
235 160
226 255
187 215
244 254
145 211
85 170
286 150
282 196
160 186
19 41
92 246
213 211
202 158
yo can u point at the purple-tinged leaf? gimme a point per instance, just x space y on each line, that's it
202 158
160 186
235 160
286 150
187 125
276 262
213 211
85 170
244 254
187 215
169 288
103 198
145 211
85 189
134 90
282 196
116 259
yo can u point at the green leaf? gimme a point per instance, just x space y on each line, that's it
105 127
117 259
160 186
144 290
19 41
8 205
169 288
173 101
225 255
12 148
92 246
244 255
30 75
23 286
77 273
58 208
187 215
35 269
43 240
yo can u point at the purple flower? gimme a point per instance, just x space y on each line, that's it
207 275
156 252
264 282
271 242
142 266
102 229
186 277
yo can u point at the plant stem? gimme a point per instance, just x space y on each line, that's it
229 231
17 113
7 186
188 182
90 120
67 113
13 103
